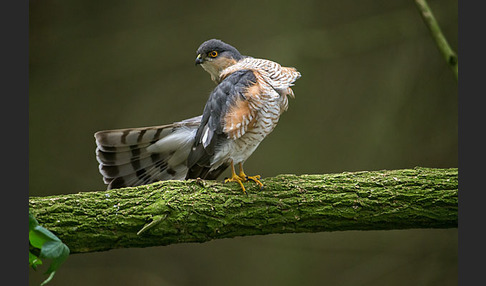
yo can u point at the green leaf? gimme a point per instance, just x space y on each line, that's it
48 278
34 260
50 246
54 250
39 235
32 222
58 252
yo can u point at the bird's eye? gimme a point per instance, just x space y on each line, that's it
213 54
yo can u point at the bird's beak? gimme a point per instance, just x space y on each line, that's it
199 59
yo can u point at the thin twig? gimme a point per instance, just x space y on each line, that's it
449 55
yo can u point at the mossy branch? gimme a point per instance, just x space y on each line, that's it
449 55
197 211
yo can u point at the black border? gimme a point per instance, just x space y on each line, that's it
472 145
15 138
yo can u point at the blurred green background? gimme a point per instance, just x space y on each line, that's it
375 93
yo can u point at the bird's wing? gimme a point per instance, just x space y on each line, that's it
137 156
229 112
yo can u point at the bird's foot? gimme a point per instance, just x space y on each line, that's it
237 179
255 179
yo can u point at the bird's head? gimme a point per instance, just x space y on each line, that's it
215 55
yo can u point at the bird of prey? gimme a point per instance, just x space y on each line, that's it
241 111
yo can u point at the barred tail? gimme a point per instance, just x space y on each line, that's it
138 156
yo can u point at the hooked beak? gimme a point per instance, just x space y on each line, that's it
199 59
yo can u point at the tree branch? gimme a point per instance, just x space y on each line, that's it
197 211
449 55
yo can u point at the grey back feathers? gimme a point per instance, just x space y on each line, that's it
210 134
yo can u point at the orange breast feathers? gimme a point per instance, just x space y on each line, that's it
242 114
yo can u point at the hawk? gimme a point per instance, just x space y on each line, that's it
241 111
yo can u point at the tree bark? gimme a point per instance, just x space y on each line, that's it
170 212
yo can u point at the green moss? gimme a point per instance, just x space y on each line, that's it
197 211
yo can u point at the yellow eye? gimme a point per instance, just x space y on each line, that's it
213 54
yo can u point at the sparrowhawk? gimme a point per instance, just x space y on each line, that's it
241 111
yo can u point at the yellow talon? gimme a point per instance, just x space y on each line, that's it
236 178
242 177
245 178
256 179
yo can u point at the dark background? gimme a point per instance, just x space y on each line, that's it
375 93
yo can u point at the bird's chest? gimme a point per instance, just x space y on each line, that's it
265 121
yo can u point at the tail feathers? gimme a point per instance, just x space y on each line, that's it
130 137
132 166
124 139
132 157
145 175
119 157
159 171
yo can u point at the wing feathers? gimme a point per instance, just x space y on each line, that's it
215 126
241 114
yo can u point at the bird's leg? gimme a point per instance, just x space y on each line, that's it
245 178
236 178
